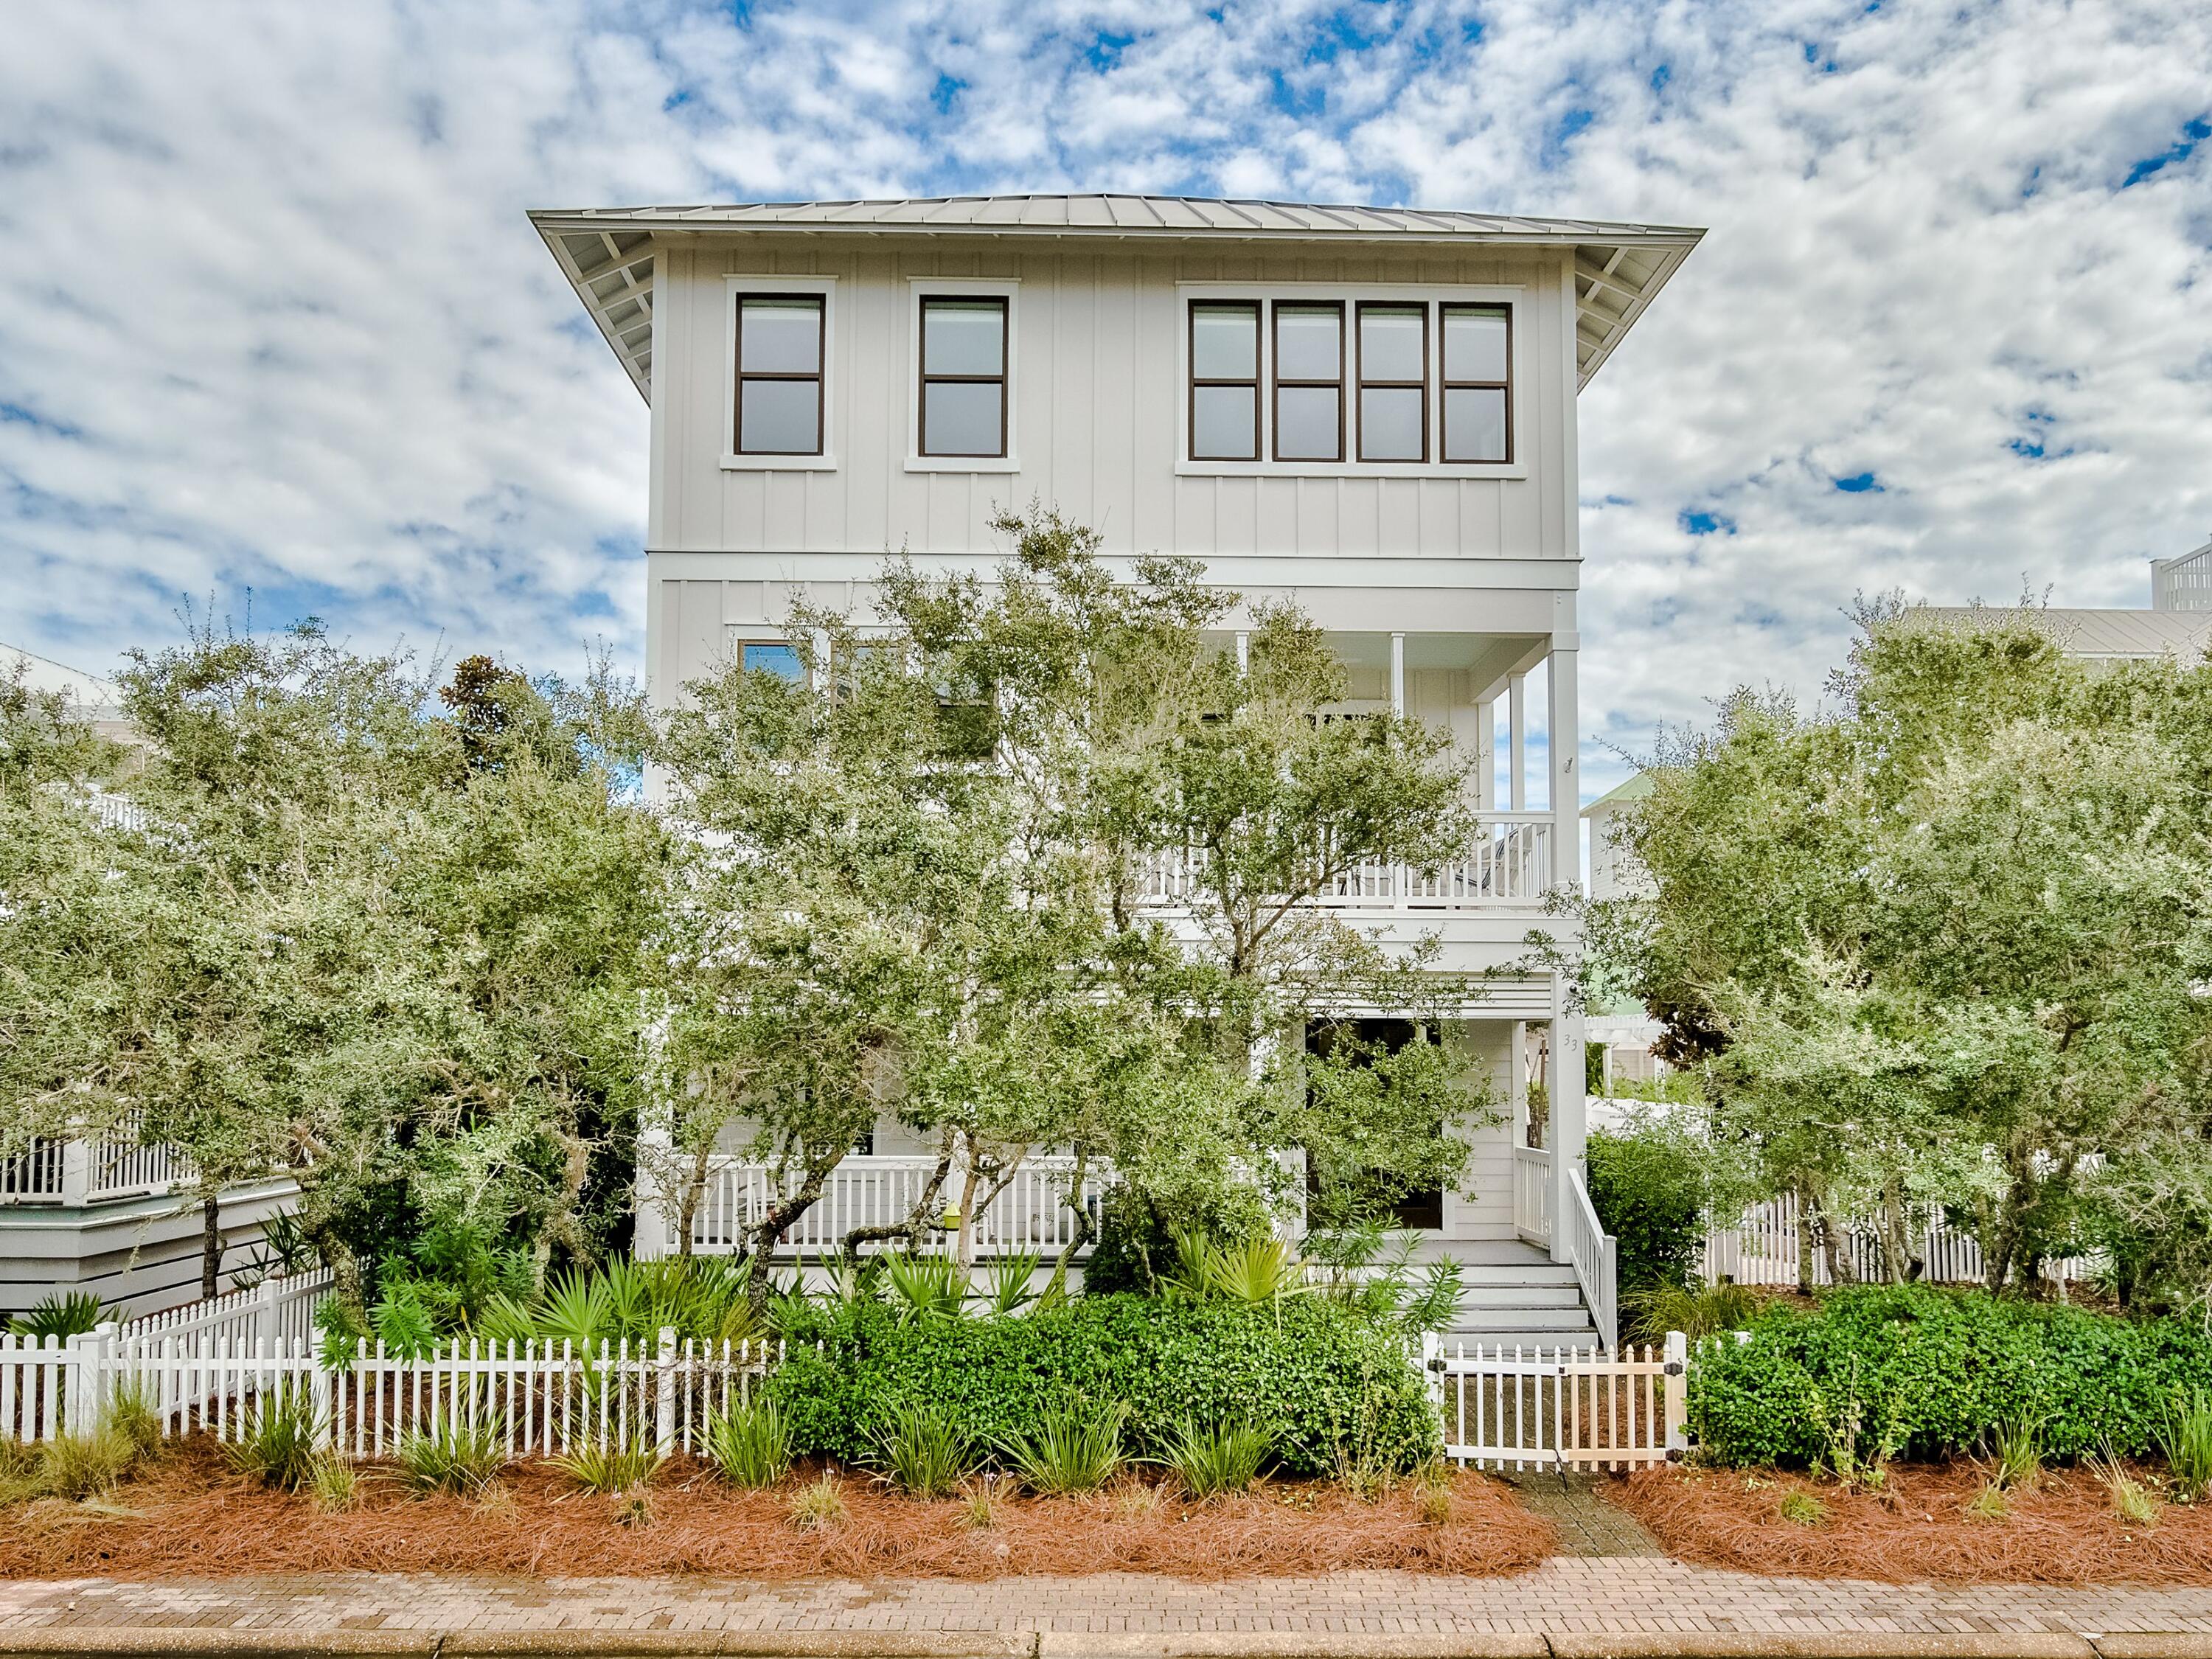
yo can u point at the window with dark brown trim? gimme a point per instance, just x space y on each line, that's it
1477 383
778 391
963 377
1394 380
1309 362
1224 379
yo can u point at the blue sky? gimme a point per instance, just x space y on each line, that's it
272 319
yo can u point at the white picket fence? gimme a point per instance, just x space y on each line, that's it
1561 1407
1762 1249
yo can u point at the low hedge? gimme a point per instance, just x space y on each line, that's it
1326 1379
1931 1372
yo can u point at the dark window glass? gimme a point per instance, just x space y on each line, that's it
1308 382
779 392
1224 380
963 377
1477 383
1393 383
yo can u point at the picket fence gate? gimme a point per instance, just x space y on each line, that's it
1561 1407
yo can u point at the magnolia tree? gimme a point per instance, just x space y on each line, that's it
1950 942
925 878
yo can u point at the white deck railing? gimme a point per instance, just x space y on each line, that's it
1029 1213
2182 584
74 1173
1761 1249
1510 863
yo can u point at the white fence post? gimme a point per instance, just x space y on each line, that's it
86 1373
664 1393
1678 1397
264 1312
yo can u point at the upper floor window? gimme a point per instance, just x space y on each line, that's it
779 375
1224 380
963 376
1477 383
1309 381
1388 381
1393 382
778 656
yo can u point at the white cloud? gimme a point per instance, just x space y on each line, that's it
271 314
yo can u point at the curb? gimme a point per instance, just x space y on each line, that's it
198 1642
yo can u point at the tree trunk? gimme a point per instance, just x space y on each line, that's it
769 1232
211 1243
694 1189
917 1219
1804 1240
1057 1285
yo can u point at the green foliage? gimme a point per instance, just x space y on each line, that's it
819 1506
335 1485
750 1444
63 1314
1370 1268
1702 1311
617 1466
460 1455
1218 1457
1924 1373
923 1450
925 1286
1647 1184
1074 1447
1802 1509
2016 1451
2183 1437
75 1467
1321 1373
282 1446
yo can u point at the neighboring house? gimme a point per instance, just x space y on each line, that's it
1619 1030
2179 623
1370 410
110 1217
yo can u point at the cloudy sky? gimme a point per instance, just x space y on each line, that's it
272 319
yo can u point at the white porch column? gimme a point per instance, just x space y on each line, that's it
1516 720
1485 757
1398 675
1243 650
1563 739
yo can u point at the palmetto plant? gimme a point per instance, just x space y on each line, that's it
925 1286
1076 1448
63 1314
1010 1290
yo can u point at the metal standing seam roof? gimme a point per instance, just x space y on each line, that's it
2102 635
607 252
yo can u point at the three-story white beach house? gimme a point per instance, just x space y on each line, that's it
1370 410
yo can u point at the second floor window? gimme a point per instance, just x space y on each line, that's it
963 377
1310 382
779 375
1224 380
1477 383
1393 382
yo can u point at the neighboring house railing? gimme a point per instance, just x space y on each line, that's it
2182 584
1509 864
1762 1249
1031 1213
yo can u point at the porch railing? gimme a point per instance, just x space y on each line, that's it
74 1173
1510 863
1761 1249
1531 1193
1030 1212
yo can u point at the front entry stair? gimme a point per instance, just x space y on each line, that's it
1514 1295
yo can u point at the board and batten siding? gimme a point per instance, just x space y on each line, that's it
1095 420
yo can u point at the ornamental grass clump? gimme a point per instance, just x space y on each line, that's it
618 1467
2131 1500
750 1444
284 1433
463 1458
819 1506
2016 1452
1215 1458
924 1452
335 1485
1076 1448
1802 1509
2185 1439
78 1466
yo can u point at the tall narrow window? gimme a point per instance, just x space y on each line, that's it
1477 383
1224 380
779 375
1310 382
963 377
1393 382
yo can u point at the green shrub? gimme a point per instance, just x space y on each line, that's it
1647 1183
1320 1373
614 1467
464 1458
750 1444
1929 1373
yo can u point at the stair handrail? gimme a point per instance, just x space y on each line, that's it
1594 1252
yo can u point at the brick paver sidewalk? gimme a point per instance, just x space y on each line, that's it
1568 1605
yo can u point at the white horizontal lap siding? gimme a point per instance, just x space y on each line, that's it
1097 398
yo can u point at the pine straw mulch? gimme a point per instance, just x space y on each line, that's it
1918 1529
188 1516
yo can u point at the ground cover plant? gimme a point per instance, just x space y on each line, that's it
1871 1373
188 1515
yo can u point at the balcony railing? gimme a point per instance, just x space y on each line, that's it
2182 584
74 1173
1510 864
1029 1213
